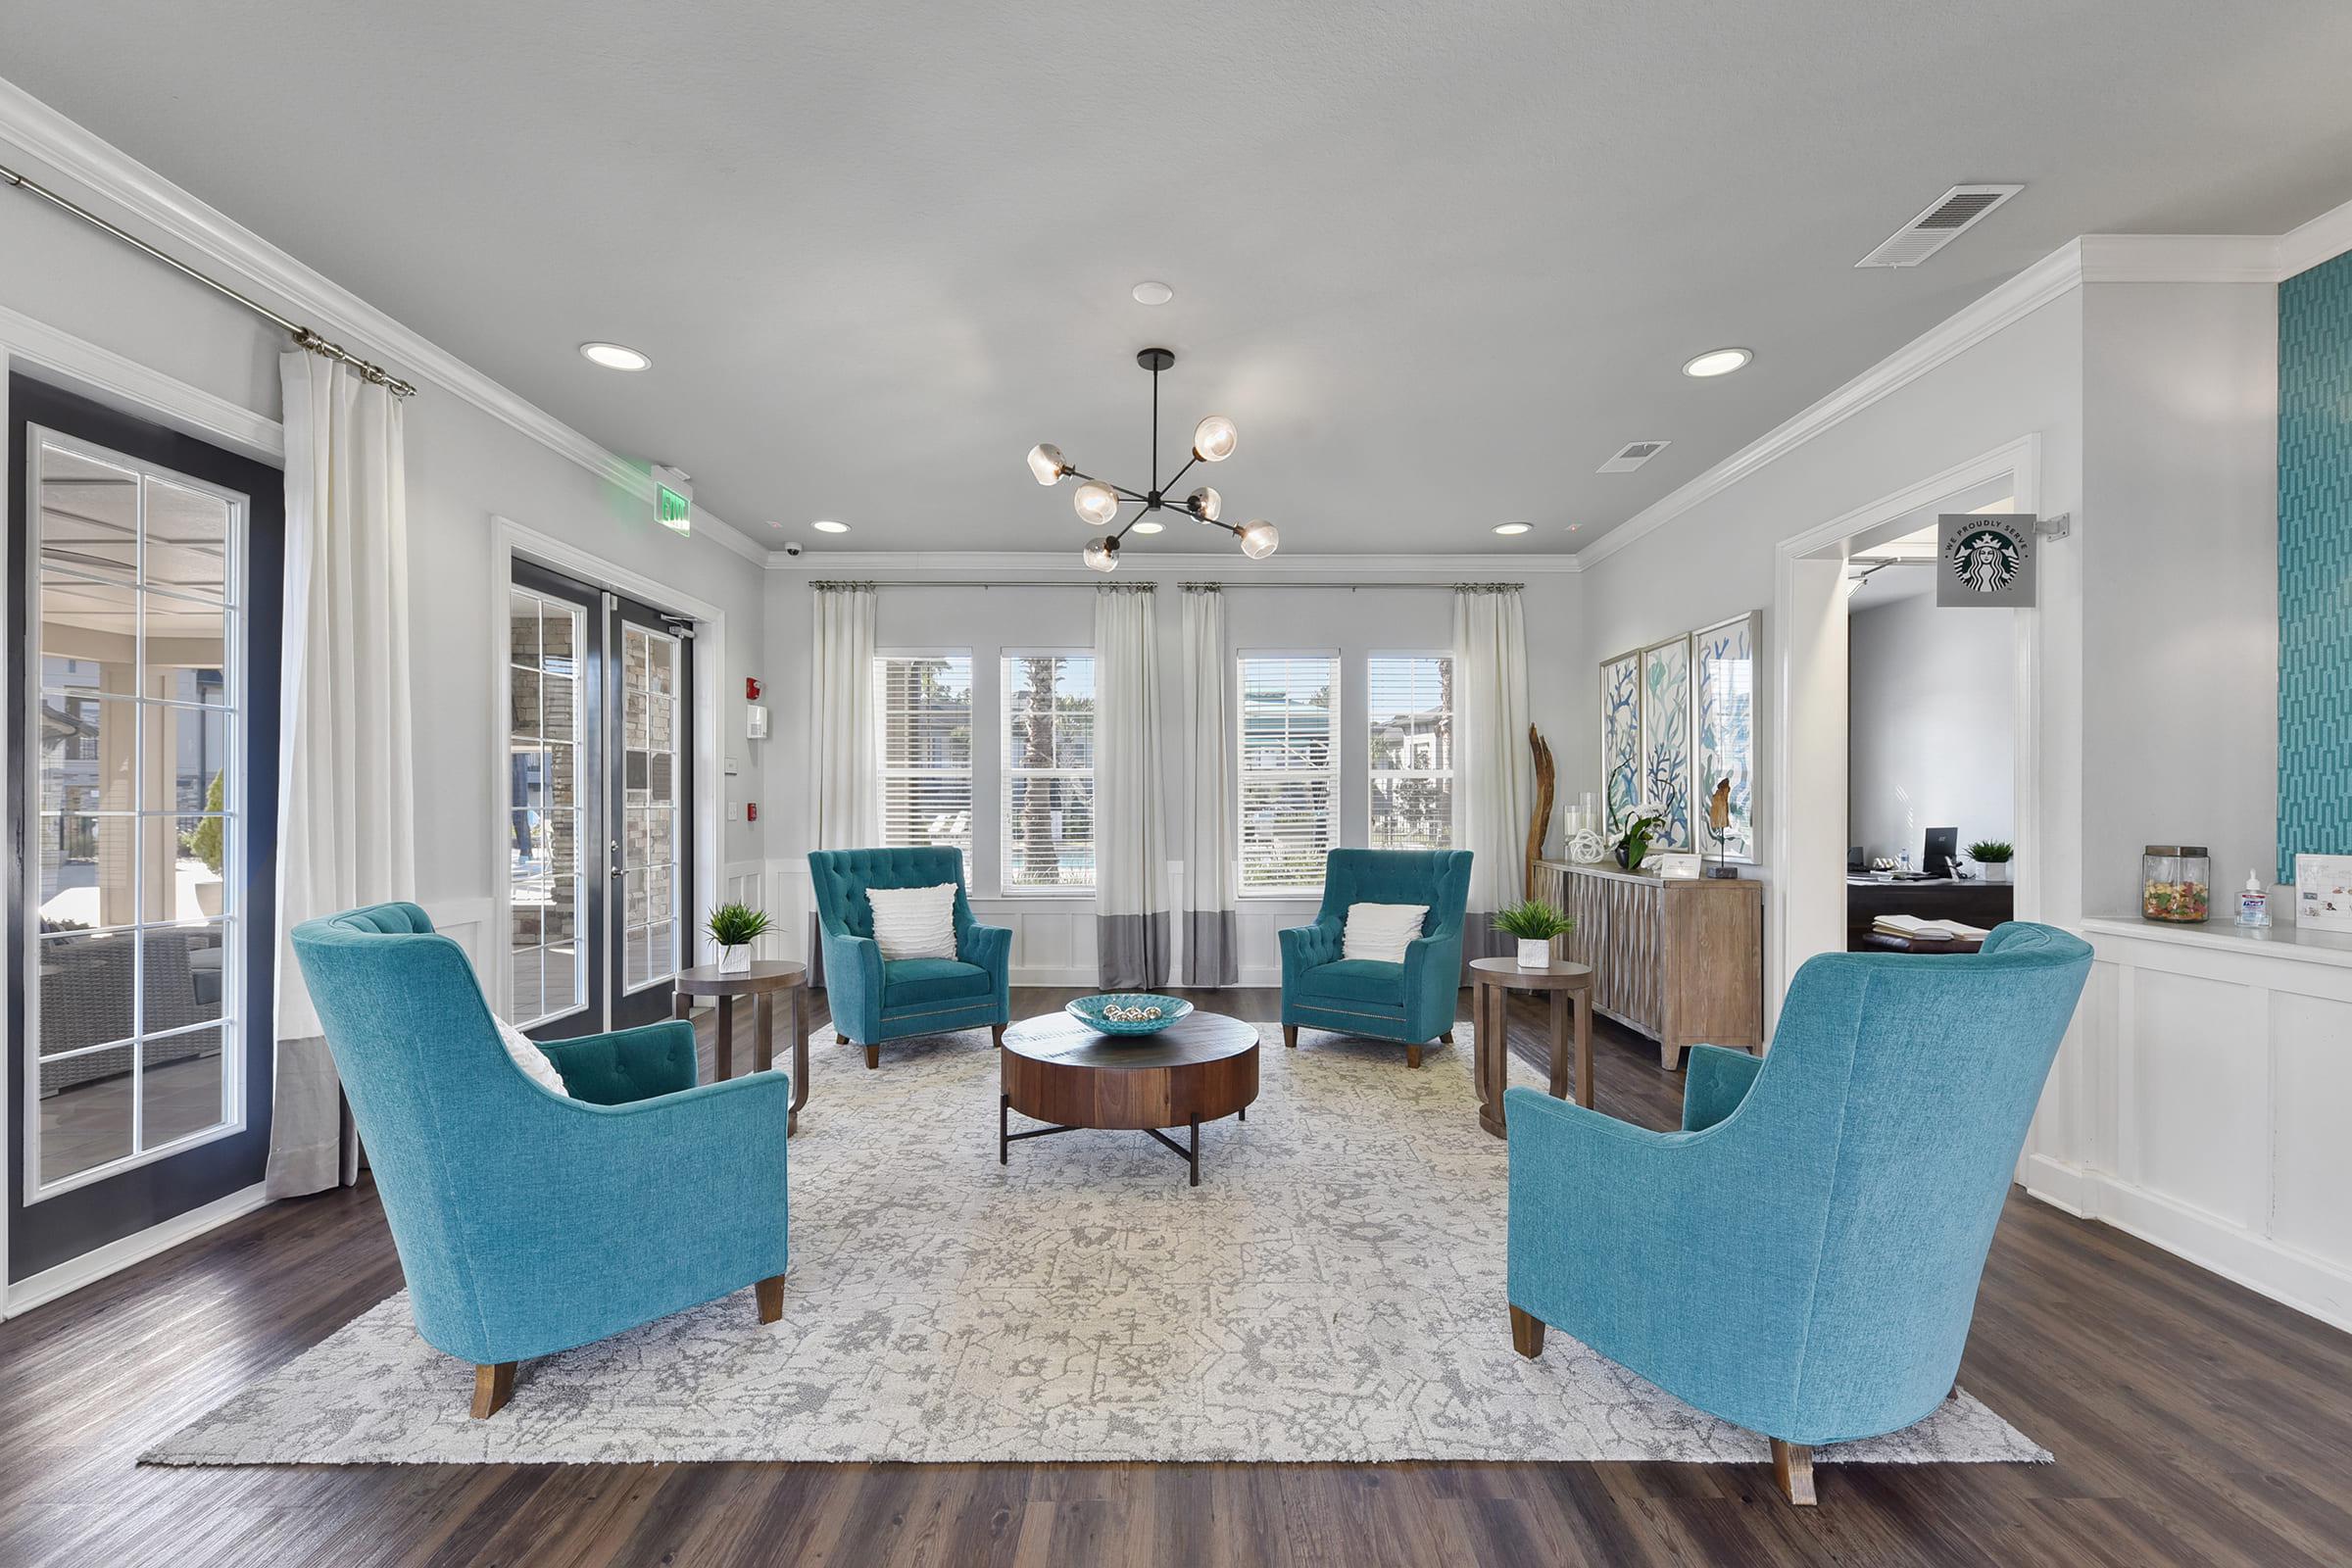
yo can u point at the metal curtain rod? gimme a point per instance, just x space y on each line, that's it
1080 582
304 337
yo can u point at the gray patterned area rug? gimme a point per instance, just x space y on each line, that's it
1332 1290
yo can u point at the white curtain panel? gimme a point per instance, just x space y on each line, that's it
1211 939
841 730
346 808
1494 771
1131 831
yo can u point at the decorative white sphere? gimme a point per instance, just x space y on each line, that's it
1586 847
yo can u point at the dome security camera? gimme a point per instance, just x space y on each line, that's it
792 547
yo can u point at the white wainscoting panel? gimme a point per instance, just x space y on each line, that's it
1053 939
2198 1104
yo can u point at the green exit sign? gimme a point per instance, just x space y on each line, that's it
673 500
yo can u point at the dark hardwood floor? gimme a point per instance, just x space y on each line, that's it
2195 1422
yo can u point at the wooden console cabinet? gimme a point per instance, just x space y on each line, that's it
1681 962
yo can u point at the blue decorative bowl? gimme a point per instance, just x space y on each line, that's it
1096 1013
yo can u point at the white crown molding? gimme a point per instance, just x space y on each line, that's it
1232 566
153 202
2323 239
2004 305
2179 258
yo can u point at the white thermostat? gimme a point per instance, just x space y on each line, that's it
755 722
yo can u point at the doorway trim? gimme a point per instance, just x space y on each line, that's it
1809 709
509 539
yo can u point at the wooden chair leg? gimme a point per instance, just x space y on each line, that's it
493 1387
874 1058
1445 1038
1527 1334
840 1039
996 1031
1413 1053
1289 1036
771 1298
1792 1468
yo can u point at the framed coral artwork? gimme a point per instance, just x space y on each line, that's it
1666 741
1620 743
1725 727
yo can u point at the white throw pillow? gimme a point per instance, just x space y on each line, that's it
1381 930
529 1058
915 922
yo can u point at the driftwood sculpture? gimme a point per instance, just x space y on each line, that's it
1544 785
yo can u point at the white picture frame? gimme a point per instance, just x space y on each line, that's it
2323 892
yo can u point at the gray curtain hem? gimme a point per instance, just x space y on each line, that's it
1212 948
1131 951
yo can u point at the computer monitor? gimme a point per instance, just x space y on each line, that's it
1944 852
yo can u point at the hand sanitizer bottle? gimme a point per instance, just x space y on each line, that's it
2253 901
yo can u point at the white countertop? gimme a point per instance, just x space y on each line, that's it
2284 940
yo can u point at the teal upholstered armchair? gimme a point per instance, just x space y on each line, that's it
1412 1002
1802 1259
872 1000
528 1222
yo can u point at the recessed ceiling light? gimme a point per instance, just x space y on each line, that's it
1513 527
830 527
1718 362
1147 525
615 357
1149 292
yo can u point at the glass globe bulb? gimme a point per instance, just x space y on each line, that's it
1103 553
1046 463
1259 540
1205 504
1096 503
1214 438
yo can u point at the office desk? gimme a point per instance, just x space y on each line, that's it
1981 904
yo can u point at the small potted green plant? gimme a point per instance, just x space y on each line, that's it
1634 843
735 927
1994 856
1534 923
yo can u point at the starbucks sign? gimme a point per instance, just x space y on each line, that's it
1985 561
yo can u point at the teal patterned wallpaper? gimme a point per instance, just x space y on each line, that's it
2315 563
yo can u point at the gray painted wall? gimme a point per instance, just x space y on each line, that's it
1931 724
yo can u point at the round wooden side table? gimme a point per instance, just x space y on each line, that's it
1493 980
760 982
1058 1069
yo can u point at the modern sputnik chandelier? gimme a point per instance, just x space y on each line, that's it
1098 502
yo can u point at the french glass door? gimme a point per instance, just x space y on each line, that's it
143 655
600 827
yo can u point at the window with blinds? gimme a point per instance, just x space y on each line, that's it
1049 812
924 748
1409 698
1290 769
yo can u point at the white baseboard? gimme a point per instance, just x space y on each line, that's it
2317 1285
47 1286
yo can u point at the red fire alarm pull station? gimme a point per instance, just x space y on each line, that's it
750 811
751 688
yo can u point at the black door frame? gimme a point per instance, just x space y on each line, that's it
606 1002
79 1221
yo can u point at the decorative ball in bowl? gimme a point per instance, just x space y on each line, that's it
1127 1013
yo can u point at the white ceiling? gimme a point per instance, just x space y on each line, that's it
1439 263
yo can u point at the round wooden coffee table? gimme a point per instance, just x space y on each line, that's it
1492 981
1060 1070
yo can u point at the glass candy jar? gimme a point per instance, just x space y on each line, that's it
2175 883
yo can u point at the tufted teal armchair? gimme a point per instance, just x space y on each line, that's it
528 1222
1802 1259
1412 1002
872 1000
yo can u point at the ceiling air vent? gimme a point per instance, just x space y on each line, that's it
1632 456
1946 219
